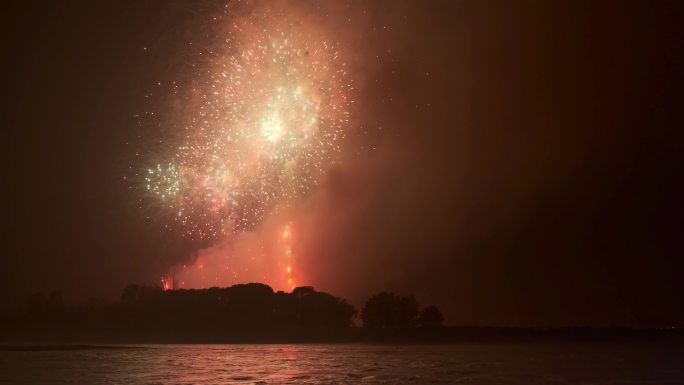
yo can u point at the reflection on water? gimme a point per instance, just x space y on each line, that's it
352 364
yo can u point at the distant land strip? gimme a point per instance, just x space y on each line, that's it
40 348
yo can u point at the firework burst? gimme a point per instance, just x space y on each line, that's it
260 123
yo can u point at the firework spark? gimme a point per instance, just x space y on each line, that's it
261 123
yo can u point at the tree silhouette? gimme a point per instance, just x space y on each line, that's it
250 312
430 318
130 293
387 310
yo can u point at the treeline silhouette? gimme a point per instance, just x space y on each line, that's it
241 313
254 313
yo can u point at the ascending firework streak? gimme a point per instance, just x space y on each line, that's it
260 124
288 257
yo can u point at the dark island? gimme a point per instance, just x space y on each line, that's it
254 313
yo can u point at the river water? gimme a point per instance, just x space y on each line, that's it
540 363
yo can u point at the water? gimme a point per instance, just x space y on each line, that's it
564 363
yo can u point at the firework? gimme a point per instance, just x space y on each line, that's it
167 282
260 123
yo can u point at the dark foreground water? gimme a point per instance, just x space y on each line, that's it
541 363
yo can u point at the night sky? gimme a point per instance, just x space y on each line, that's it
514 163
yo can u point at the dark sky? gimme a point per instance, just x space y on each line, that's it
527 166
